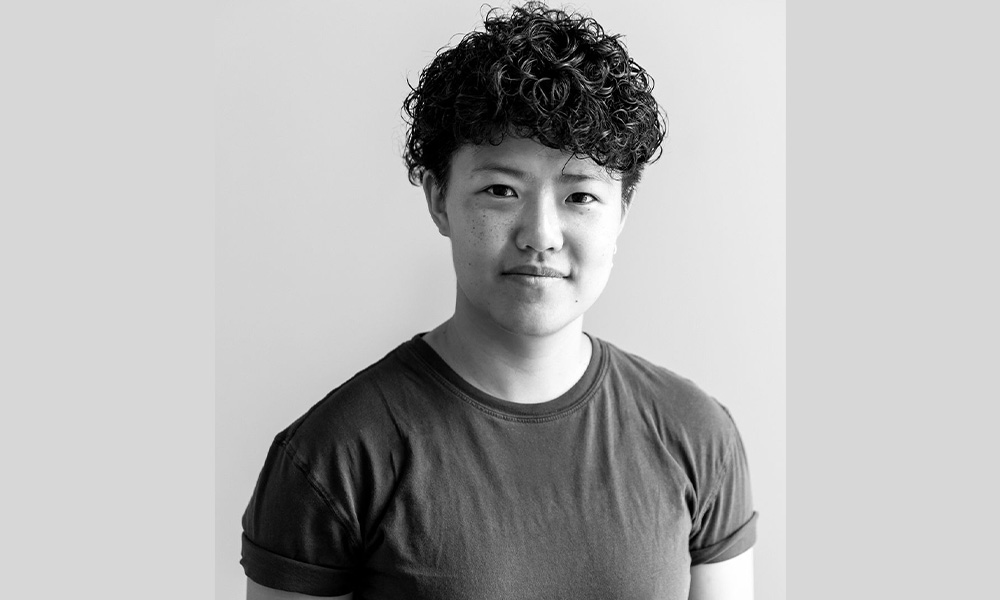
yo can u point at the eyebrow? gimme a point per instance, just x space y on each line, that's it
524 175
494 168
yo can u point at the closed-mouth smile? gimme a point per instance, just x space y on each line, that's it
535 271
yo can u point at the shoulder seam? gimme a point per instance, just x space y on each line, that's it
727 461
317 487
291 431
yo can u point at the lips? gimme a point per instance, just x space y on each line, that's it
535 271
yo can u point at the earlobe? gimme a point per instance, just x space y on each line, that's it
435 203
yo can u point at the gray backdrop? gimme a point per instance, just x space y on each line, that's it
326 258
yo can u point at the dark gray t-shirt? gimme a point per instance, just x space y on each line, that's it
408 482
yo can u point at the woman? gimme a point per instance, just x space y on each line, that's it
506 453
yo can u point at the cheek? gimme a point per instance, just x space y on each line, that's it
598 244
479 228
484 230
479 237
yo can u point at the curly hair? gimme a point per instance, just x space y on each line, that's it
536 73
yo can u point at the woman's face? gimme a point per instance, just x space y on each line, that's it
532 232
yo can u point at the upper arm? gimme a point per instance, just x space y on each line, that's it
256 591
294 537
727 580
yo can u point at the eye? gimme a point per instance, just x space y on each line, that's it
500 191
581 198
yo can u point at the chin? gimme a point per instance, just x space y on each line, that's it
535 325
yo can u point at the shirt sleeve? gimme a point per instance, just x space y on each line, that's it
294 536
726 524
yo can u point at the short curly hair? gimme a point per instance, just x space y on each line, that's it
536 73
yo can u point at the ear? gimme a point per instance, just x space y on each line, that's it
435 203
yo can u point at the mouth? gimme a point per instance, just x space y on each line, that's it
535 271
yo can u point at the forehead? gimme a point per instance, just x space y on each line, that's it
526 158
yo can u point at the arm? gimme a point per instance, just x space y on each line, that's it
727 580
256 591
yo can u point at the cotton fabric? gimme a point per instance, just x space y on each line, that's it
409 482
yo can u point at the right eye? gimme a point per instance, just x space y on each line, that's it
500 191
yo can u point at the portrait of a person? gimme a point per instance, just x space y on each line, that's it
507 453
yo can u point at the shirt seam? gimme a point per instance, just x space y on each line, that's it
584 399
317 487
716 488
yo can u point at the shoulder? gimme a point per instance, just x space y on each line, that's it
355 415
687 422
678 402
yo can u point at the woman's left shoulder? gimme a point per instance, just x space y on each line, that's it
675 401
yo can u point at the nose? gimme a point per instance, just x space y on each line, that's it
539 225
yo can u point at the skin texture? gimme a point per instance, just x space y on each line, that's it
508 208
727 580
521 203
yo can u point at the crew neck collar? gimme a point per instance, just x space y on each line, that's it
576 396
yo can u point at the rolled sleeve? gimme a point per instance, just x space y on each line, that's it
294 538
726 526
283 573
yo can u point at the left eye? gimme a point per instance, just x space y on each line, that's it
501 191
581 198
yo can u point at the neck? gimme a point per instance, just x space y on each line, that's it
527 369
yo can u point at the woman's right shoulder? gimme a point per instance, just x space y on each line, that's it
356 411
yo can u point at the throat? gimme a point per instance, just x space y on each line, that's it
525 371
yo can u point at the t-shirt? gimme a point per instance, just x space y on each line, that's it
409 482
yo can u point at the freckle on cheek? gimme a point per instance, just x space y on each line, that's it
481 230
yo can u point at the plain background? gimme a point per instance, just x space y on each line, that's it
326 258
108 326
